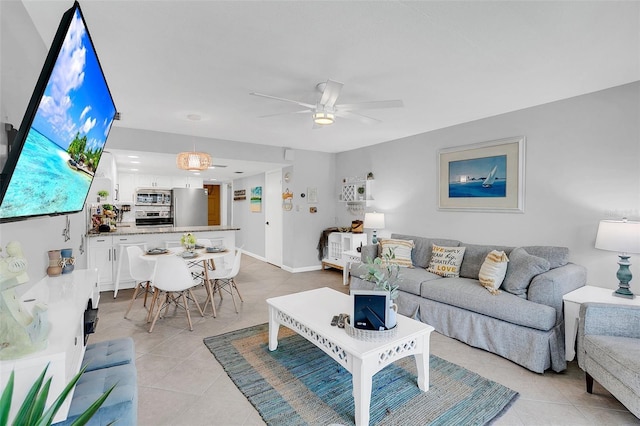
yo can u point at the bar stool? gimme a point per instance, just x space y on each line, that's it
123 247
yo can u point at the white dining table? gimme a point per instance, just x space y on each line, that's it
201 255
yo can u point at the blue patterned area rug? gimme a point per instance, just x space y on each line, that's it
298 384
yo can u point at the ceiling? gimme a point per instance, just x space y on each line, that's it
449 62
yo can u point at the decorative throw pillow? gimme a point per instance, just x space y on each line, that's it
396 252
521 270
446 261
493 270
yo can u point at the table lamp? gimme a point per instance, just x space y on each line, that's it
621 236
374 221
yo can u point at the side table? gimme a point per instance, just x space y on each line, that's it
572 302
349 257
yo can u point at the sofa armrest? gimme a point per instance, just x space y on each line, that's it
608 319
369 252
549 287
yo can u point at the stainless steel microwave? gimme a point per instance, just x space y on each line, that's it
153 197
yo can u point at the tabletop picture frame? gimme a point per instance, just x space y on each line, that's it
486 177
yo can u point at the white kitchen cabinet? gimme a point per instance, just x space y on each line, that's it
106 254
337 244
127 188
152 181
186 182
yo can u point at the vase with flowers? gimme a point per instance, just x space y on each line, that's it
188 241
385 274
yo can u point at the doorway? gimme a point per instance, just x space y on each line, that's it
213 204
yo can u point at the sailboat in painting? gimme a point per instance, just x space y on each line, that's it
488 182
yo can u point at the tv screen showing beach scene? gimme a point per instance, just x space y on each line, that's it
478 177
65 129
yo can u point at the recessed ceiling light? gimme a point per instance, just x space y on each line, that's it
133 156
135 162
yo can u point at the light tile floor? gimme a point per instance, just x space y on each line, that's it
181 383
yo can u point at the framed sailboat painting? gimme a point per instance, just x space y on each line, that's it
487 176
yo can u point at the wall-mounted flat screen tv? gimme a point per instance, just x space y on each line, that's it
63 133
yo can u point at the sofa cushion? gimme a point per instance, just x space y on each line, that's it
521 269
465 293
618 355
396 252
446 261
557 256
493 270
474 257
411 279
421 253
109 353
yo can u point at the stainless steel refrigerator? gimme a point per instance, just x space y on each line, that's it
189 206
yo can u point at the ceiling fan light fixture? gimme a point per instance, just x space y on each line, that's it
323 118
193 161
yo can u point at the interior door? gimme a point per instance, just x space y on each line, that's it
213 202
273 217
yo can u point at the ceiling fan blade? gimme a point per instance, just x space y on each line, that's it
330 93
353 116
285 113
397 103
262 95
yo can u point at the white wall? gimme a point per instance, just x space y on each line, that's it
582 165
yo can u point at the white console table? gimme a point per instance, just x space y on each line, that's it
66 298
572 302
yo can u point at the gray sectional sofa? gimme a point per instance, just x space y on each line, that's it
526 327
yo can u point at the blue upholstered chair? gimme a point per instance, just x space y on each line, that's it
609 350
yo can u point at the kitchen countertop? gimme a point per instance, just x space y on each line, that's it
124 229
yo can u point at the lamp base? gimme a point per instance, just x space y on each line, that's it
374 238
624 292
624 276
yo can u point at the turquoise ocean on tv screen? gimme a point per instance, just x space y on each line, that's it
36 186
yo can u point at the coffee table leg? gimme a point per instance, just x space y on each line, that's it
422 365
274 326
361 392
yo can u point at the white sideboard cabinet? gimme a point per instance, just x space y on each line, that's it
66 297
339 242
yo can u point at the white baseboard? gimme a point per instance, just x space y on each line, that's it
285 267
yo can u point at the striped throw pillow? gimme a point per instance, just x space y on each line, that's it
493 270
396 252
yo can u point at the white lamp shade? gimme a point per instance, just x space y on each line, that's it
374 220
619 235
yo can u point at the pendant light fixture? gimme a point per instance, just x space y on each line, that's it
193 161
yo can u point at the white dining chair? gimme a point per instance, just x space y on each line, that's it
142 273
224 279
174 283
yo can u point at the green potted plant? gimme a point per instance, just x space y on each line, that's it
32 411
102 194
361 192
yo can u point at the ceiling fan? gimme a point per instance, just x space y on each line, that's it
326 110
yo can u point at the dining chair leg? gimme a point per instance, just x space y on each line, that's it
136 291
146 293
210 293
193 297
233 281
155 317
186 308
154 300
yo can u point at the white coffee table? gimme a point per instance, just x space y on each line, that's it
572 302
309 314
